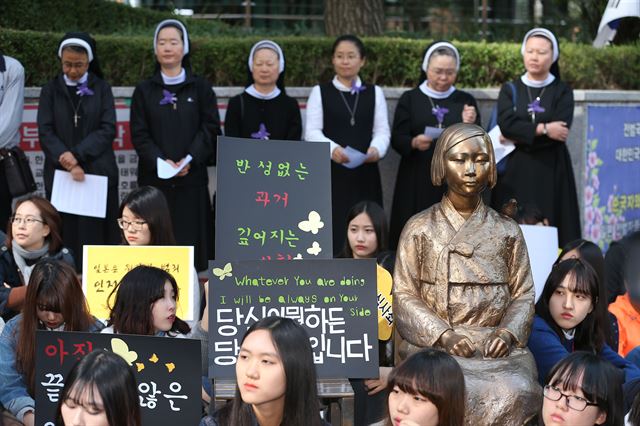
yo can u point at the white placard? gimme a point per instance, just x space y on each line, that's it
542 246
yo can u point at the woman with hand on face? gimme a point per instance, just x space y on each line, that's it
437 104
174 114
100 390
346 112
539 170
462 283
54 302
264 111
582 390
426 389
77 126
571 315
276 379
34 233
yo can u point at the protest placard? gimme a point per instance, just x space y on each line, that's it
104 267
167 373
273 200
335 300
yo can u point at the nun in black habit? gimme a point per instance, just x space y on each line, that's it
77 126
263 110
174 115
435 103
539 172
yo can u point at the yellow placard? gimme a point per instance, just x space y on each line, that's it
104 267
385 310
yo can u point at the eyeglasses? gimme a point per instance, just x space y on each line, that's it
573 401
136 225
28 221
440 71
77 65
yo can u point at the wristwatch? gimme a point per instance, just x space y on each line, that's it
544 129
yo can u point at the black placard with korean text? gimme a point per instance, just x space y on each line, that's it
167 372
334 299
273 200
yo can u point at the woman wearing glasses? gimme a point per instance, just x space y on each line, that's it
33 233
571 316
145 220
434 104
582 390
77 126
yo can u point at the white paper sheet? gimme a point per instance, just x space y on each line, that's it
433 132
500 149
356 158
542 245
167 171
86 198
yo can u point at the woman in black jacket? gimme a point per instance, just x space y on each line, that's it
77 126
174 117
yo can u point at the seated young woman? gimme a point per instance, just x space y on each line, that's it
146 304
100 390
276 379
54 301
427 389
582 390
571 316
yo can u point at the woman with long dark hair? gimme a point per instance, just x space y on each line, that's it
100 390
571 316
276 378
55 302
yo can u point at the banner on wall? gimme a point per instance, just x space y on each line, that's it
612 171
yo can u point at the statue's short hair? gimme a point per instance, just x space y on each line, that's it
451 137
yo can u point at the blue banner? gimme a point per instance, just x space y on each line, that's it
612 171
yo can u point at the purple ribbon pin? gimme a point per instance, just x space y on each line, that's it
439 112
355 88
534 107
261 133
83 90
169 98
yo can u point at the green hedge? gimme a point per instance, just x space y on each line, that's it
391 62
93 16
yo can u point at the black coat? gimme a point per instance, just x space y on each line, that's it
173 131
91 143
539 171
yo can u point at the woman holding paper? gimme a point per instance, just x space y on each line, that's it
352 117
264 111
420 116
174 120
539 170
77 126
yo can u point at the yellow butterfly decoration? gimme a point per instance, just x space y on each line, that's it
313 224
120 347
223 273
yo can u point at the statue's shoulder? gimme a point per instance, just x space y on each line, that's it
504 222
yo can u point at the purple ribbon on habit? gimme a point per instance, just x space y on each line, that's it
439 112
169 98
261 133
83 90
534 107
355 88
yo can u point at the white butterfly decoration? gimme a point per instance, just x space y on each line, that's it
313 224
315 249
